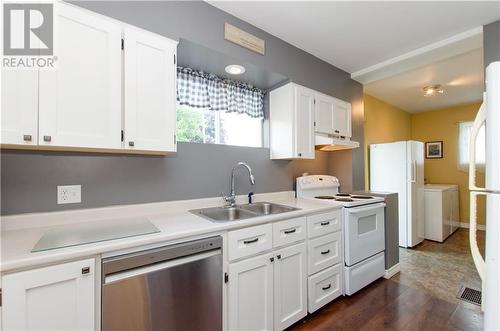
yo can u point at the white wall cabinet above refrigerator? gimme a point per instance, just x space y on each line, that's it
80 105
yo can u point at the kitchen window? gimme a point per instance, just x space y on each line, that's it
216 110
463 146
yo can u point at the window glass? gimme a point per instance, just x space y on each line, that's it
202 125
463 146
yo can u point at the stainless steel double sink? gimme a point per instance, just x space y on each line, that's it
241 212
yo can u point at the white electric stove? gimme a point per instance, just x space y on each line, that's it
363 229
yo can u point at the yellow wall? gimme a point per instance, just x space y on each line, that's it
384 123
442 125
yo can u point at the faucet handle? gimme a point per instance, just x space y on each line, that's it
250 197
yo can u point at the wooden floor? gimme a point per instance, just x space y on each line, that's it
389 305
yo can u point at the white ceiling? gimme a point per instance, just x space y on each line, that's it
355 35
461 77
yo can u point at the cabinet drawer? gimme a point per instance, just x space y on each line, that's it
324 287
318 225
249 241
324 252
289 231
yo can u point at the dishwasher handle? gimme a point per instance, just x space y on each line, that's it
158 266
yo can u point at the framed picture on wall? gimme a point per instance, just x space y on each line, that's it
434 150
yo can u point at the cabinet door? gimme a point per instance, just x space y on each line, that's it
342 118
19 107
250 294
290 286
150 91
324 110
304 122
80 101
60 297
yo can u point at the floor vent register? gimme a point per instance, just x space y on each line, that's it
470 295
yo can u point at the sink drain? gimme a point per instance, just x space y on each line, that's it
470 295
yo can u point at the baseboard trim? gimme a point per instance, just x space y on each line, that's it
392 271
481 227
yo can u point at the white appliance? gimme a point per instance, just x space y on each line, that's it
399 167
489 268
442 211
363 229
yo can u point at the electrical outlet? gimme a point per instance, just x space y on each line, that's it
69 194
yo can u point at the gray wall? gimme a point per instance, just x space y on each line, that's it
29 179
491 39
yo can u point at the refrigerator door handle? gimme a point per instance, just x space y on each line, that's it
478 123
413 170
476 254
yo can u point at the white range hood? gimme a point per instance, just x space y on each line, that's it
326 142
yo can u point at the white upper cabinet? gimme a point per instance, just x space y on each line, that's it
342 118
325 106
149 87
59 297
80 101
96 91
333 116
19 107
292 122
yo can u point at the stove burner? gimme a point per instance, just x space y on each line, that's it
361 197
343 194
326 197
344 199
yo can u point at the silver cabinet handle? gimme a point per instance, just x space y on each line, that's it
27 137
85 270
131 143
47 138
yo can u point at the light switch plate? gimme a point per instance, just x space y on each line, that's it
69 194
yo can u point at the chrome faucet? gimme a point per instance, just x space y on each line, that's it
231 198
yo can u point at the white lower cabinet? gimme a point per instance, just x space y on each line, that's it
59 297
290 286
324 286
268 292
250 294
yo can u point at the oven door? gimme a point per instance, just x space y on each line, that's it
364 232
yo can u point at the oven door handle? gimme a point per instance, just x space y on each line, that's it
365 208
158 266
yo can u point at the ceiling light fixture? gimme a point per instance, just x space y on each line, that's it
235 69
433 90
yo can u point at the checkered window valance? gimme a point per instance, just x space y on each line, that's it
204 90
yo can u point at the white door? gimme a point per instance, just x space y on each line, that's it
304 122
19 107
342 118
324 108
250 304
364 232
290 286
150 91
80 101
455 210
60 297
415 203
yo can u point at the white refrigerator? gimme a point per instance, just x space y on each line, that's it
489 267
399 167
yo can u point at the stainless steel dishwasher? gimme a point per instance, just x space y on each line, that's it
177 287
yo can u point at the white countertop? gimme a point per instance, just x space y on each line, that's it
21 232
